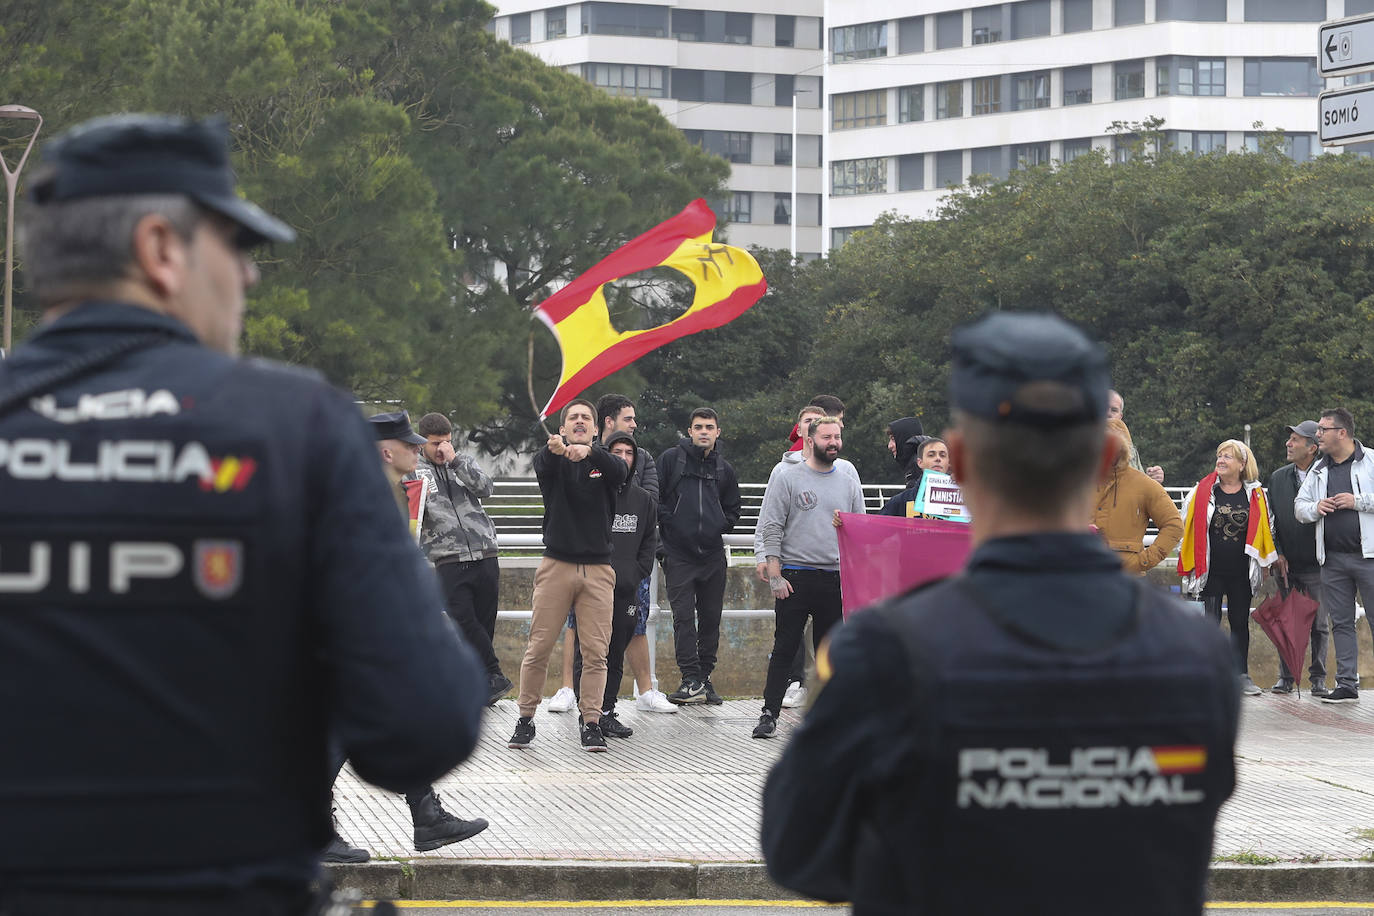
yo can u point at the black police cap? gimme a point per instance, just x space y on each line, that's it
1000 365
153 154
395 426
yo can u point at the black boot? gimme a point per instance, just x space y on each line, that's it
338 849
435 827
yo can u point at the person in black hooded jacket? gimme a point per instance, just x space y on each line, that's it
904 442
699 502
634 540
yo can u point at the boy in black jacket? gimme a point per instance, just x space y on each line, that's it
578 480
633 542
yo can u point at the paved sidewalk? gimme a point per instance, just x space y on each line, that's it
686 788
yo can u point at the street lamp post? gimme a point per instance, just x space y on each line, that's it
17 113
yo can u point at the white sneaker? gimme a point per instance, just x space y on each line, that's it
563 701
653 701
795 695
1249 687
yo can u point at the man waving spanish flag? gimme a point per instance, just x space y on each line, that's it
727 279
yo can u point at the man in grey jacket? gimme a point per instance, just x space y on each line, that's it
459 538
1338 495
801 510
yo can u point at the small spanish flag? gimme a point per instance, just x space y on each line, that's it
727 279
1181 758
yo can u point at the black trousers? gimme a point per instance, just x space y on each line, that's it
1236 589
624 616
336 762
470 595
815 594
696 593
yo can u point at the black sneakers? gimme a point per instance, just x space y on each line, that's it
524 733
612 727
435 827
1342 695
499 685
1319 691
712 698
767 727
1282 687
338 850
592 739
690 692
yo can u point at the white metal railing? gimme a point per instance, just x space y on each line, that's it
517 509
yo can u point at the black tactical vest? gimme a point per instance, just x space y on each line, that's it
1053 781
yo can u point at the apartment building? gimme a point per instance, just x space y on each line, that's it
923 94
727 73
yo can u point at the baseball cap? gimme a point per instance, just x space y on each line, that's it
153 154
1307 429
1001 366
395 426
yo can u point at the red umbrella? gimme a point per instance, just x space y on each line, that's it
1287 619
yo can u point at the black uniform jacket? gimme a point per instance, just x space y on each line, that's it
202 575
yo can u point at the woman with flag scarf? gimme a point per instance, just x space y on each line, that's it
1226 545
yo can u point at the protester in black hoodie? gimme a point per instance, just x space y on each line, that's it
634 540
903 437
700 501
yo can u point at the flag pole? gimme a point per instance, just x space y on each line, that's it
529 381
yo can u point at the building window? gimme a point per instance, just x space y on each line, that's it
911 104
949 168
1078 85
911 35
949 99
555 23
849 177
782 149
739 88
987 24
1191 76
1282 76
1129 78
1201 142
1030 90
739 146
1126 147
858 109
1075 148
782 209
1027 155
626 79
911 172
633 19
1190 10
949 30
784 86
520 29
858 42
990 160
1298 147
689 25
1128 12
739 28
1078 15
784 31
987 95
1357 8
1285 11
1030 18
838 237
739 209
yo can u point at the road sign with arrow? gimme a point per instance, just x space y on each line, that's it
1345 46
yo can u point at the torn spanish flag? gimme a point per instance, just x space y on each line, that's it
727 279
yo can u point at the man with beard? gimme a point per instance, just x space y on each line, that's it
700 502
800 513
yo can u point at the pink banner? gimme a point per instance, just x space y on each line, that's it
883 555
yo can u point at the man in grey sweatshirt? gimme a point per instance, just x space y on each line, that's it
801 510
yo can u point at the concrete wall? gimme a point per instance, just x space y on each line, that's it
745 643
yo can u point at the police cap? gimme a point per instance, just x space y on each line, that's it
1002 364
153 154
395 426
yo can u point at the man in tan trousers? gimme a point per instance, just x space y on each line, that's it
578 479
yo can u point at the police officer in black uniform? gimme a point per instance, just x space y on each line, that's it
201 572
1069 737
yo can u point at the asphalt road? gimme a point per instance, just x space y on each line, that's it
791 908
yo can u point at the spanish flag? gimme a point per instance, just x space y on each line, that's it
727 279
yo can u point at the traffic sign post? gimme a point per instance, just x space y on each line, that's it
1345 46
